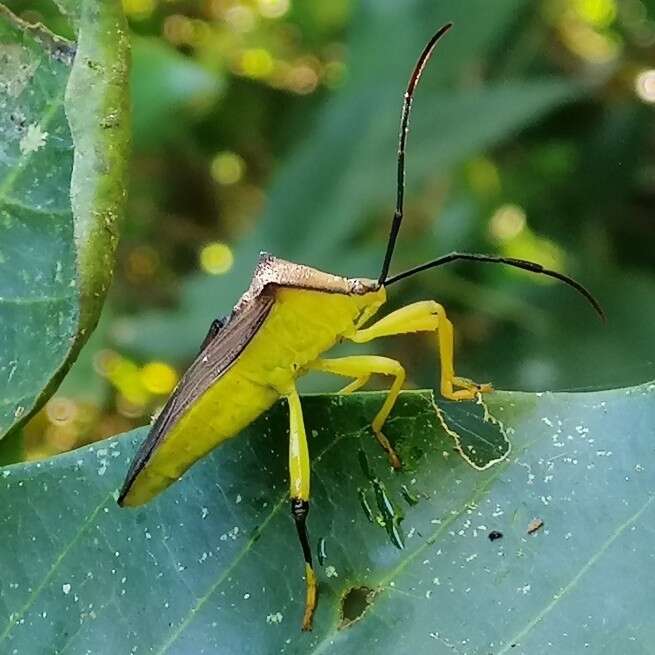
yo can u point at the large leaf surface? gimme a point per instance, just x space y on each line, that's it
212 565
63 138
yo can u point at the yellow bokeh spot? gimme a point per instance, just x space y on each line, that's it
587 43
273 8
138 8
483 176
599 13
507 223
227 168
257 63
528 245
158 378
216 258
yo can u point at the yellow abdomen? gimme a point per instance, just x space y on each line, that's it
300 326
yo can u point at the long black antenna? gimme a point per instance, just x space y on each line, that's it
404 128
524 264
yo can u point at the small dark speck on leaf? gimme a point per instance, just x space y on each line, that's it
494 534
354 604
535 525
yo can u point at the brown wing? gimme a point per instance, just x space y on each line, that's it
219 353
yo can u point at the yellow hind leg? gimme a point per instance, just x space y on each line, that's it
361 367
299 469
427 316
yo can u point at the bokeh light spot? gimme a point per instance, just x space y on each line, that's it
138 9
507 222
645 85
216 258
273 8
240 18
178 29
588 44
158 377
483 176
227 168
302 79
599 13
257 63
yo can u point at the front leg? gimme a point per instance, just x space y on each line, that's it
427 316
299 470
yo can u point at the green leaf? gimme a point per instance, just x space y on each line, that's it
64 133
213 566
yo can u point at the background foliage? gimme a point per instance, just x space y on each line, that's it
271 124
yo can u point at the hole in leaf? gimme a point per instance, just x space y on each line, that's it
354 604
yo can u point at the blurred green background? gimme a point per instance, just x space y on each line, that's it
272 125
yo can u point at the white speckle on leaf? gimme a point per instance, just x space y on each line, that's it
230 534
331 572
205 512
66 588
34 139
274 618
17 69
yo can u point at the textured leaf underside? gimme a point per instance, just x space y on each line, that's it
63 141
212 565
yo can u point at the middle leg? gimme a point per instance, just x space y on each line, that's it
361 367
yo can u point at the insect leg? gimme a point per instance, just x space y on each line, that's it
361 367
356 384
299 491
427 316
216 326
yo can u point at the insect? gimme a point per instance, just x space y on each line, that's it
279 329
